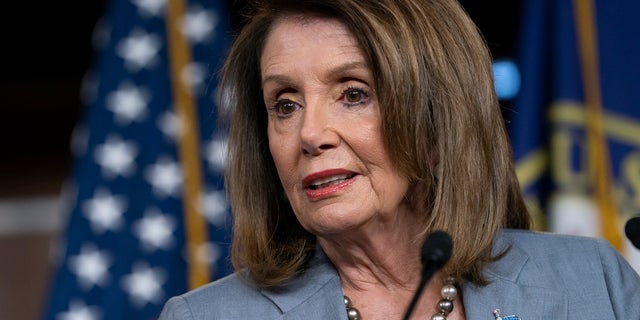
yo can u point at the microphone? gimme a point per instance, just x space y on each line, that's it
632 230
435 253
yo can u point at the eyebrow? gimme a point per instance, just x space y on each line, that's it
278 78
346 67
338 71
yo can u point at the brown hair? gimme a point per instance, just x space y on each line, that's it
434 83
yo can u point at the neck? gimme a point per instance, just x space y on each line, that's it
377 257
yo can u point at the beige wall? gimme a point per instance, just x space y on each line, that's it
28 230
24 274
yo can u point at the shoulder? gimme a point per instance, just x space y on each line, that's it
535 241
568 261
227 298
565 251
231 286
560 247
573 265
314 293
541 275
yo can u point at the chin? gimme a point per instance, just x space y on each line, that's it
334 224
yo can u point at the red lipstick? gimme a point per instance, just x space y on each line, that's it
325 183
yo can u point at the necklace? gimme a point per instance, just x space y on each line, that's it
448 293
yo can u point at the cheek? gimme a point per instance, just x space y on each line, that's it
281 152
370 147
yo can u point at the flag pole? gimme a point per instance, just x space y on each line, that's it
188 146
599 162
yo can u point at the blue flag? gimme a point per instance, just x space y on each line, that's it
575 128
148 217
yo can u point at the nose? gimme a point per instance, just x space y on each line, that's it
317 132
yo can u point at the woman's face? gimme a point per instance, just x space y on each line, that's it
324 127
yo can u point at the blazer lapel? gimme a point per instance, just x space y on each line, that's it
315 294
507 293
525 302
326 303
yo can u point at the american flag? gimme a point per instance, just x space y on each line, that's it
147 214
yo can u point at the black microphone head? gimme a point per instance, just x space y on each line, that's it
632 230
436 250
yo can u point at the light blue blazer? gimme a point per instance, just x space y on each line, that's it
543 276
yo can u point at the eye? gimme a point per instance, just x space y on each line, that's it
285 107
355 96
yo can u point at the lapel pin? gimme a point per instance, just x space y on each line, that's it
496 314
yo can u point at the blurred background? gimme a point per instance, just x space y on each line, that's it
46 53
85 167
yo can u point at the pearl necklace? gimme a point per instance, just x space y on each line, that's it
448 293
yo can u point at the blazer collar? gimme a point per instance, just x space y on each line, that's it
528 297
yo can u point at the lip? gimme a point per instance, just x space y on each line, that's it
317 194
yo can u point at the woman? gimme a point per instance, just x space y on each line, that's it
357 129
